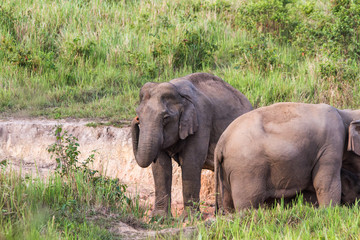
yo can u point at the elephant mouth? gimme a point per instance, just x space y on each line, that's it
156 157
137 121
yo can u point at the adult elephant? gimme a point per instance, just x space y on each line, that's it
182 120
285 148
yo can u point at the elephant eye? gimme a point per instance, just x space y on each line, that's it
166 119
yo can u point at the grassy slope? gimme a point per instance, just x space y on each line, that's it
89 59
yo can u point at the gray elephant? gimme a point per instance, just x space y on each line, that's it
182 120
276 151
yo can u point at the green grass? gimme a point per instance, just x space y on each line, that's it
301 221
89 58
51 208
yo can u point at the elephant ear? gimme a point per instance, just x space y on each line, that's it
354 137
189 122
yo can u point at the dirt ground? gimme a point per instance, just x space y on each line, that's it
24 143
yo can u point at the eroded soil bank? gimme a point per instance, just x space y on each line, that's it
24 143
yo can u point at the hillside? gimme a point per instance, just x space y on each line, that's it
89 58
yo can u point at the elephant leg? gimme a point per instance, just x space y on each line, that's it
191 180
162 173
192 162
247 191
327 181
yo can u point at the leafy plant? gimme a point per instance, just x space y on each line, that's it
8 20
66 153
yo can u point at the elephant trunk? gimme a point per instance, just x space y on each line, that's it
135 130
146 143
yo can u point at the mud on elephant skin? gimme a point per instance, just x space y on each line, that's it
182 120
279 150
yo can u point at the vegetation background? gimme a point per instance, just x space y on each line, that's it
89 58
85 58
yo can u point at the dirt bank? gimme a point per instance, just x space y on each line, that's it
24 143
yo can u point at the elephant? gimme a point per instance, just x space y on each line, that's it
281 149
182 120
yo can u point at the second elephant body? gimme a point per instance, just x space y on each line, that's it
285 148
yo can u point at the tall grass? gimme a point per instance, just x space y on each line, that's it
300 221
89 58
35 208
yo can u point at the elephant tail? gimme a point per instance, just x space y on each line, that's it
218 158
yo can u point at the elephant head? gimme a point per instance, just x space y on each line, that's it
166 114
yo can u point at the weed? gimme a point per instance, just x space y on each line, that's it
68 165
8 20
66 153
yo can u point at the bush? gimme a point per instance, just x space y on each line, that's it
195 50
262 16
335 34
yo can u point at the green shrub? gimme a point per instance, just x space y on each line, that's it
335 34
195 50
264 16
